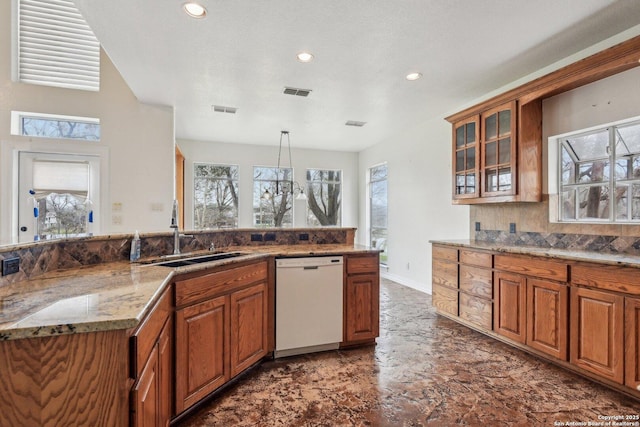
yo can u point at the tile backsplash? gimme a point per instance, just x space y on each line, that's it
41 257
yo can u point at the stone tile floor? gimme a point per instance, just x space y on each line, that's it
425 370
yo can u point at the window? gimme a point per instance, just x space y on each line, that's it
599 175
55 46
272 197
378 210
55 126
323 197
215 198
62 190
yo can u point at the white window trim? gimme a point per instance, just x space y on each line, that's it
341 182
193 189
553 172
17 116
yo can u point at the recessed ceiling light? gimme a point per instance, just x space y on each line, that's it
413 76
194 10
304 57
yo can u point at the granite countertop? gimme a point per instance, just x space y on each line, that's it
113 295
623 260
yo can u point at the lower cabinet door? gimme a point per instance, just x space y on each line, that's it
476 310
547 317
632 343
248 327
509 315
597 321
362 307
146 393
445 299
202 342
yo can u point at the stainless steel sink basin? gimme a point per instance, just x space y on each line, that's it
199 259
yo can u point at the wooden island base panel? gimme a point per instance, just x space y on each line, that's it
575 309
205 327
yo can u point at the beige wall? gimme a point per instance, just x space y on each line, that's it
139 139
605 101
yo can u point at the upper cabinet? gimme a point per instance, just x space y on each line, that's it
498 158
497 144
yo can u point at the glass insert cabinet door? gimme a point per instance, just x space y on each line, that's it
466 162
498 150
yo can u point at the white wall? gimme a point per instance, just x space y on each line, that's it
419 199
247 156
134 135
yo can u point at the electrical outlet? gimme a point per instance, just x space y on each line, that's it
303 236
512 227
269 237
256 237
477 226
10 266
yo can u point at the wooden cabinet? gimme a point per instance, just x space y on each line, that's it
497 154
476 288
632 342
444 280
361 299
597 323
547 317
151 367
221 329
510 298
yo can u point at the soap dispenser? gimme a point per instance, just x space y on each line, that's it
134 255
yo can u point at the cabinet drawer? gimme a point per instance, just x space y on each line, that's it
363 264
200 288
441 252
476 310
444 273
609 277
445 299
144 338
535 267
480 259
476 281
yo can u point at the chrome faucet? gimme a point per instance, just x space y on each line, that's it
176 232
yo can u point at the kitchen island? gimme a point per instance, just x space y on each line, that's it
95 345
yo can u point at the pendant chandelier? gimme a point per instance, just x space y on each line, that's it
290 185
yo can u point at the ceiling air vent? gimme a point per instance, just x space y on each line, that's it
223 109
296 91
355 123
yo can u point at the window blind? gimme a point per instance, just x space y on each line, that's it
61 177
56 46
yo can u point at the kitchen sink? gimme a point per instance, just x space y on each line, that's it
199 259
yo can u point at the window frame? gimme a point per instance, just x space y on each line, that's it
237 187
384 255
321 182
17 128
253 196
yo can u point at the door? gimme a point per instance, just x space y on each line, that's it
362 301
146 393
248 327
509 312
67 193
597 332
202 343
547 317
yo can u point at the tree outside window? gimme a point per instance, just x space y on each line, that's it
378 209
215 201
324 198
272 197
599 179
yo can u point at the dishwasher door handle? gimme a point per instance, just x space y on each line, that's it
311 267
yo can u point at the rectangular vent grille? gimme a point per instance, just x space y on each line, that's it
223 109
355 123
296 91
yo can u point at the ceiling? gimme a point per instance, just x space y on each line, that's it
243 55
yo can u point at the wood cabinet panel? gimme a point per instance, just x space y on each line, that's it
363 264
632 343
608 277
476 281
145 393
445 299
362 307
202 346
535 267
509 312
444 273
209 285
547 317
441 252
478 311
597 320
248 327
479 259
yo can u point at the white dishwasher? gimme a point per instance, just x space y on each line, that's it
308 304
